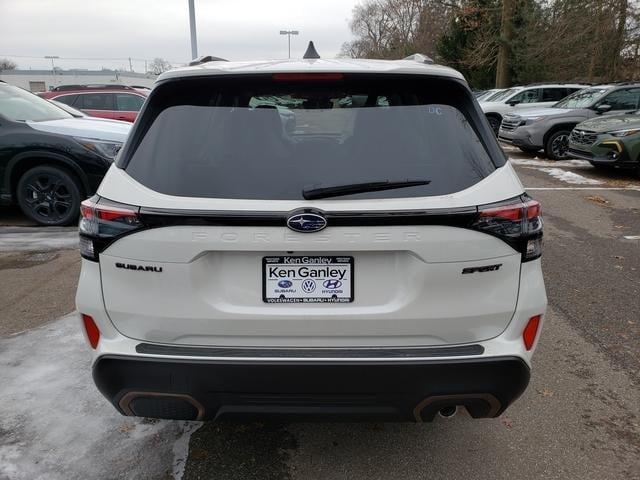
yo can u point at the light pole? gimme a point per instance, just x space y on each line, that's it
288 33
192 27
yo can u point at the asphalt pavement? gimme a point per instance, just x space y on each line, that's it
579 418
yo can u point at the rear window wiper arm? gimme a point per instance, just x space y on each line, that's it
353 188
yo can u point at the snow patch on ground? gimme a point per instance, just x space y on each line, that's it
570 177
38 238
55 425
547 163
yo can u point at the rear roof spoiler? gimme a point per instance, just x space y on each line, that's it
206 59
420 58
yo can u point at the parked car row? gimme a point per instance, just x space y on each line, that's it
511 100
116 102
52 158
598 123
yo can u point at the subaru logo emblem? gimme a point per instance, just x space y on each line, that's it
306 222
285 283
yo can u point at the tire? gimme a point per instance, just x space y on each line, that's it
49 196
494 122
557 145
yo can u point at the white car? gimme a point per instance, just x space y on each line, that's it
374 260
517 98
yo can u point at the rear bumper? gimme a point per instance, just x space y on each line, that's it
412 390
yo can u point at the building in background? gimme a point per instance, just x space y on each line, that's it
44 80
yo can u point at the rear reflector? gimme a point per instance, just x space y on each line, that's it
93 333
531 331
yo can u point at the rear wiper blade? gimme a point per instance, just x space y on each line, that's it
353 188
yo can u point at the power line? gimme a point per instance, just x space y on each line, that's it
125 59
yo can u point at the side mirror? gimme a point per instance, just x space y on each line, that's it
513 103
604 108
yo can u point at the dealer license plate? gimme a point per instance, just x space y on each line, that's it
307 279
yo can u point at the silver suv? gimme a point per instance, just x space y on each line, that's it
534 129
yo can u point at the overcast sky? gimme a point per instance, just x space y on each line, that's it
144 29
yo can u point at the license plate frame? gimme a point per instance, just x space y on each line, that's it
273 293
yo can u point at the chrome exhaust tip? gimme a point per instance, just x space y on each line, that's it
448 412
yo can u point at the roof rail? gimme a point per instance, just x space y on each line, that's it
91 86
206 59
420 58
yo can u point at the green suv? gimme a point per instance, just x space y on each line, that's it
607 142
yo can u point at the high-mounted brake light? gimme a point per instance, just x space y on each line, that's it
518 222
307 77
101 221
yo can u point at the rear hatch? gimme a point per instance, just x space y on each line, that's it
212 225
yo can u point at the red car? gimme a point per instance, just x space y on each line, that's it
116 102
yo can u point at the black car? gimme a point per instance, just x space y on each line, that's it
49 159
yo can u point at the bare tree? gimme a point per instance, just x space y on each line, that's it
159 65
503 68
6 64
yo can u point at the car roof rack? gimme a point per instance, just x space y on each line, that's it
91 86
206 59
420 58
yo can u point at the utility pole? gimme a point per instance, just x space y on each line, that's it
192 27
130 66
288 33
503 69
52 58
53 67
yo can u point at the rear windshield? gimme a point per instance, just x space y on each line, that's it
257 137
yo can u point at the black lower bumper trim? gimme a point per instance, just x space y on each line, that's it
310 353
391 391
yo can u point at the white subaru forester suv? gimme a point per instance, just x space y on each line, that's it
311 238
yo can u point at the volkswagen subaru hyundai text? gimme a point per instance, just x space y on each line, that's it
316 238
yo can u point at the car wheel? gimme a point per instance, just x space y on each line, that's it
557 146
49 196
494 122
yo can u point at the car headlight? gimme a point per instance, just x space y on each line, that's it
107 150
530 120
624 133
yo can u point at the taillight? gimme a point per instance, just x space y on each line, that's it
93 332
531 332
518 222
101 222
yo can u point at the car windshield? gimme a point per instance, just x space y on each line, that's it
19 105
582 98
273 139
501 95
